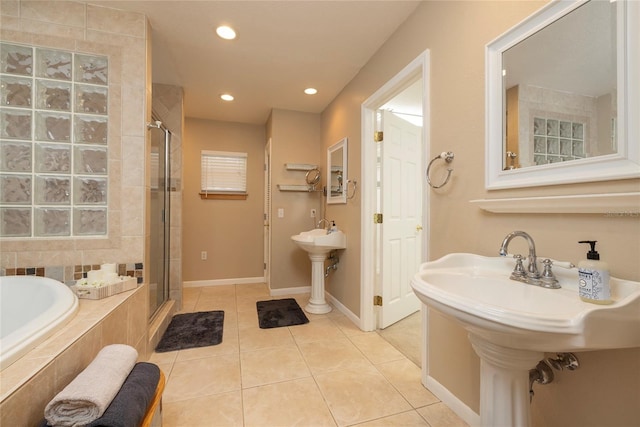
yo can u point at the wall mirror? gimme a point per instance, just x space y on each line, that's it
337 172
562 96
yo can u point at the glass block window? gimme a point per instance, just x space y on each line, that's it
557 140
53 142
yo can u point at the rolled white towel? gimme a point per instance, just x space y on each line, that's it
90 393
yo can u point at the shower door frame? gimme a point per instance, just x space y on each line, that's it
165 218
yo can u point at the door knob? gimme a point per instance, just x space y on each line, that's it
418 227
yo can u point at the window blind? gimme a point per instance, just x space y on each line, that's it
223 172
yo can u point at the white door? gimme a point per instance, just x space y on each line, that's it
401 228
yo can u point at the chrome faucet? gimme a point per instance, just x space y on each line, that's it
531 276
326 221
532 273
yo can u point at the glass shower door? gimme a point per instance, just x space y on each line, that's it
159 208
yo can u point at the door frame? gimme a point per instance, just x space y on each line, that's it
419 67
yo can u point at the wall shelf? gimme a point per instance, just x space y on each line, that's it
300 188
300 167
612 204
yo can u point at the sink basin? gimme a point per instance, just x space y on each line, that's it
317 241
511 324
477 292
318 244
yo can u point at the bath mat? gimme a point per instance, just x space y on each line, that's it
277 313
191 330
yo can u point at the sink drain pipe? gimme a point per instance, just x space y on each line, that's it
334 260
543 374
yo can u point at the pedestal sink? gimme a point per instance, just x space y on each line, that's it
512 324
318 243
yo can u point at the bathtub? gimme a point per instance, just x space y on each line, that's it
32 309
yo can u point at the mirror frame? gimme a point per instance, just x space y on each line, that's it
342 197
625 164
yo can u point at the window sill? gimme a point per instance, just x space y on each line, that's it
223 196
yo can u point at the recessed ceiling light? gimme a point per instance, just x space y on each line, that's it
310 91
226 97
226 32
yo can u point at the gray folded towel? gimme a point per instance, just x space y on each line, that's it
132 401
87 397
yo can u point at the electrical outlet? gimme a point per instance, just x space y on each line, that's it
313 213
203 255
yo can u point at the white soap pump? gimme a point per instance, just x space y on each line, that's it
593 277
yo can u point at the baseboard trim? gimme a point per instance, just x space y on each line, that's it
218 282
449 399
342 309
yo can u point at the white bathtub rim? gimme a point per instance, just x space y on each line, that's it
40 333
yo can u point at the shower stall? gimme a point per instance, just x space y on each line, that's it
160 166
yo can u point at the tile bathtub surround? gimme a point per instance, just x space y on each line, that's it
324 373
70 274
32 381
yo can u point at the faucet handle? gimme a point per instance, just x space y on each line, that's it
518 272
547 278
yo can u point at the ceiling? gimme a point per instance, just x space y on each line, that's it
282 48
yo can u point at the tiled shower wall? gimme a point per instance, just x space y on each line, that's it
121 37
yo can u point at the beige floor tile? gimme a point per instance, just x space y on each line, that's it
218 291
411 418
333 355
291 403
356 396
247 319
163 358
375 348
255 338
439 415
316 330
406 336
248 302
252 289
218 410
202 377
229 345
406 378
226 304
346 325
272 365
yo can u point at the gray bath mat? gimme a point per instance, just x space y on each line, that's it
192 330
276 313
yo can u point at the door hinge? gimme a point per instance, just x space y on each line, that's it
377 218
378 136
377 300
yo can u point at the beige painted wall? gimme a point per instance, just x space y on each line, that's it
295 138
456 33
229 230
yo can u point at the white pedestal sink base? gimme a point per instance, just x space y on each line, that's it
504 383
317 303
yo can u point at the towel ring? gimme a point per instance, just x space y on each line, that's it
355 188
447 156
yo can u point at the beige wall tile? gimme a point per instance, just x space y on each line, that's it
115 21
69 13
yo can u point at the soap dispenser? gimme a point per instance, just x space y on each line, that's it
593 277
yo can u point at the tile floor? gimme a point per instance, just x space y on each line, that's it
325 373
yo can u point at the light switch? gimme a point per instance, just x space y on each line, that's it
280 212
